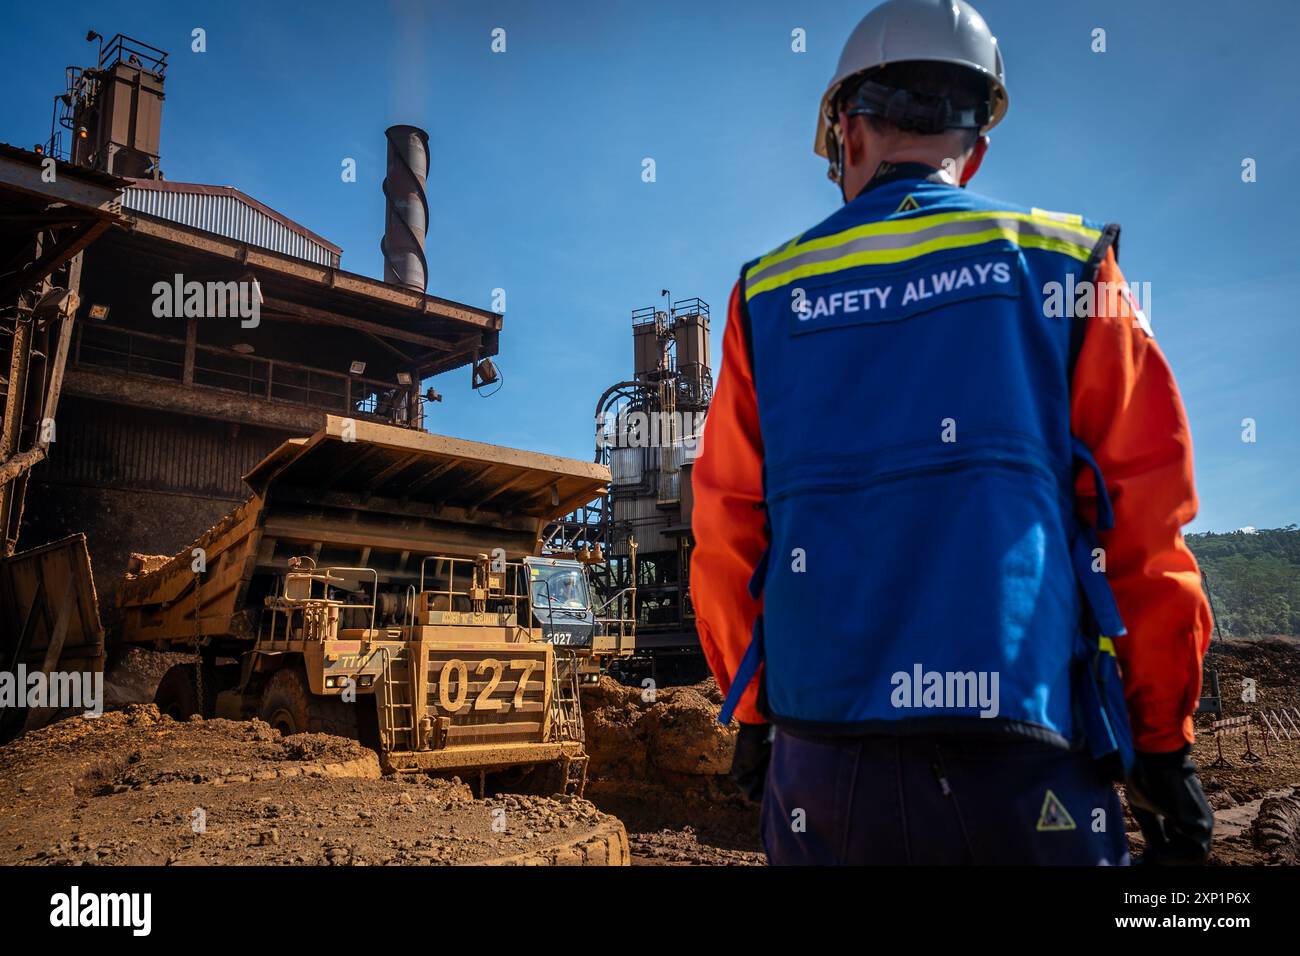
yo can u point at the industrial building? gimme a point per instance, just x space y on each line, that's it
163 403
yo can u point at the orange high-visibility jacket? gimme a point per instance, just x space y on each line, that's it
1125 406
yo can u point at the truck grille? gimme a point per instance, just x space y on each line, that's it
479 692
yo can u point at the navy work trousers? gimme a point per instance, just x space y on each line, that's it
937 800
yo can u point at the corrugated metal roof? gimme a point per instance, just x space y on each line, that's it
225 211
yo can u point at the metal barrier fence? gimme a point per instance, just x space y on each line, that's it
1275 720
1235 727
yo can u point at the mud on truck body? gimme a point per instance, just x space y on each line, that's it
384 584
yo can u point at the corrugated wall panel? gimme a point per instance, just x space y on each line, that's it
226 216
119 447
643 519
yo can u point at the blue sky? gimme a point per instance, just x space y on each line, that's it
536 181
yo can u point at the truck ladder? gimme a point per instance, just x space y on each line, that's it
396 708
566 711
573 773
566 719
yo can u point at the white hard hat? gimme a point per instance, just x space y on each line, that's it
898 31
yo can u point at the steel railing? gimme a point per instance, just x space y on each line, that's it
322 576
622 623
163 357
513 593
133 52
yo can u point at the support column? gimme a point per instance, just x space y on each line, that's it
191 340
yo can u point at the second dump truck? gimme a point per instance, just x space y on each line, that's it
387 584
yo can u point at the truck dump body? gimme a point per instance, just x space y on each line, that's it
354 494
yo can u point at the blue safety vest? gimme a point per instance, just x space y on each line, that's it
926 571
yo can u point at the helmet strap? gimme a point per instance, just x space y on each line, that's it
913 112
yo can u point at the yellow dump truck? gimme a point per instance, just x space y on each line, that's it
386 584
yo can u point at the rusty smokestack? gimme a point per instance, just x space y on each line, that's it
406 218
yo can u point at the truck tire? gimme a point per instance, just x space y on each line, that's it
177 695
290 707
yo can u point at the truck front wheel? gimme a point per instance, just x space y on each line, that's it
290 707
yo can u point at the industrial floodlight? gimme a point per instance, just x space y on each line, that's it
485 373
404 378
99 312
81 132
91 35
357 368
432 395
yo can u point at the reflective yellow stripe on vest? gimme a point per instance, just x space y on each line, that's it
897 240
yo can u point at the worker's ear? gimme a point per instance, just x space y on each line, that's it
974 161
855 146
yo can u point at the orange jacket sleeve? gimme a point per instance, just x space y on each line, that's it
1125 406
728 523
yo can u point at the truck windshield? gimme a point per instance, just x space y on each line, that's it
559 587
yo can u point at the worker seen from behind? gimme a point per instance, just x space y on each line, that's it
939 570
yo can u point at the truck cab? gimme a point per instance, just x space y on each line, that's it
566 610
561 601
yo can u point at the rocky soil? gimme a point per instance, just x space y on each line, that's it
134 787
659 763
1239 785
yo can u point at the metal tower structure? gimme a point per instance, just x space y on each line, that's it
646 430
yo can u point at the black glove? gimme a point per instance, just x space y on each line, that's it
749 764
1170 807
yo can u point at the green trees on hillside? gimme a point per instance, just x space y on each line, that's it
1254 579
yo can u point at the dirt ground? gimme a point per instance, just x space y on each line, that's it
660 766
1238 785
659 763
134 787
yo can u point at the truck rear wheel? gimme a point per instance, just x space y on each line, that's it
178 695
290 707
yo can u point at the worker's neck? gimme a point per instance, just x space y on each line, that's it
859 176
